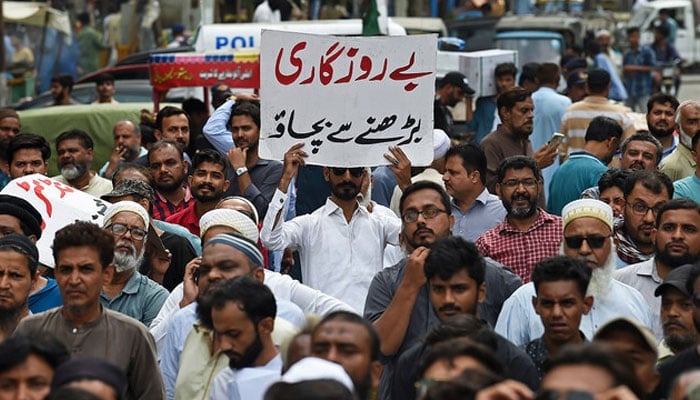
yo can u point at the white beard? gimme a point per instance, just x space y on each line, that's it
601 277
124 261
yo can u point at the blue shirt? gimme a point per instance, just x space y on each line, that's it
46 298
383 186
485 213
638 84
581 171
617 89
482 120
141 299
687 188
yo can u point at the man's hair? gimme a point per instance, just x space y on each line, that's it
662 30
632 29
517 163
562 268
452 349
505 69
548 73
452 254
82 136
210 156
662 98
164 143
104 78
421 185
166 112
511 97
28 141
676 204
655 181
463 325
600 355
695 104
603 128
64 80
247 108
464 387
313 389
252 296
613 177
353 318
528 73
85 234
644 137
16 349
194 105
136 167
473 158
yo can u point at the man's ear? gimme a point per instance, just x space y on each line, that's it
482 293
266 325
587 304
376 373
326 174
534 304
498 189
158 134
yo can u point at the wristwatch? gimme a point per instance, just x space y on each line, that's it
240 171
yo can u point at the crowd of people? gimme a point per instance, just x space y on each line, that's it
514 266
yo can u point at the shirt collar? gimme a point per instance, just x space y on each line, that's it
542 218
132 285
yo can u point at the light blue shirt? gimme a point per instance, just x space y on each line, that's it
687 188
140 299
519 323
485 213
246 383
617 89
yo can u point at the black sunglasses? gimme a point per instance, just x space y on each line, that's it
356 172
595 242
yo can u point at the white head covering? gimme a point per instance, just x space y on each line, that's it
441 143
126 205
587 208
312 368
232 219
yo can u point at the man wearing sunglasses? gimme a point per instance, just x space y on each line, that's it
587 236
676 241
341 244
129 292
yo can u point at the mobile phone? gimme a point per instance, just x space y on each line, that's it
556 139
195 275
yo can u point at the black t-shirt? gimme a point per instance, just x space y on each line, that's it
182 252
670 369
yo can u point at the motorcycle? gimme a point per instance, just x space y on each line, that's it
670 77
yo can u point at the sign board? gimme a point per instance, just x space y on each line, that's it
58 204
241 69
347 98
477 66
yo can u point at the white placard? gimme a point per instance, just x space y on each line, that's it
347 98
58 204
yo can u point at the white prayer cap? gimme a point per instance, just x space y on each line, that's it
441 143
126 205
312 368
232 219
587 208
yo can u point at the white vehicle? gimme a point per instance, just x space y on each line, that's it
221 37
687 36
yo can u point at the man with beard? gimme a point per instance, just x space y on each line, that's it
398 300
74 157
341 245
351 341
689 187
253 178
208 183
169 169
128 291
61 87
528 233
680 163
83 253
173 123
645 192
511 138
127 147
19 260
9 128
241 313
687 359
676 313
661 111
587 236
188 355
583 168
641 151
676 241
451 89
579 115
28 154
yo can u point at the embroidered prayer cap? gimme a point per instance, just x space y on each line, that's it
240 243
130 187
129 206
629 325
441 143
313 368
587 208
23 211
236 220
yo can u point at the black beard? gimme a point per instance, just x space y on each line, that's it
363 388
349 194
169 187
248 357
678 343
660 133
520 213
674 261
9 318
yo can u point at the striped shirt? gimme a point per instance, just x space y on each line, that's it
162 208
577 117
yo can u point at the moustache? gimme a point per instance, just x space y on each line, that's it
206 186
449 307
675 323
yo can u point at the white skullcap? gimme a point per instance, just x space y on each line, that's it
602 32
126 205
441 143
236 220
587 208
312 368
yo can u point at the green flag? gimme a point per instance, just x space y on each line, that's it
370 20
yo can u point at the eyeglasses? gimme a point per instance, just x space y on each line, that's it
356 172
429 212
121 230
594 242
513 183
642 209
